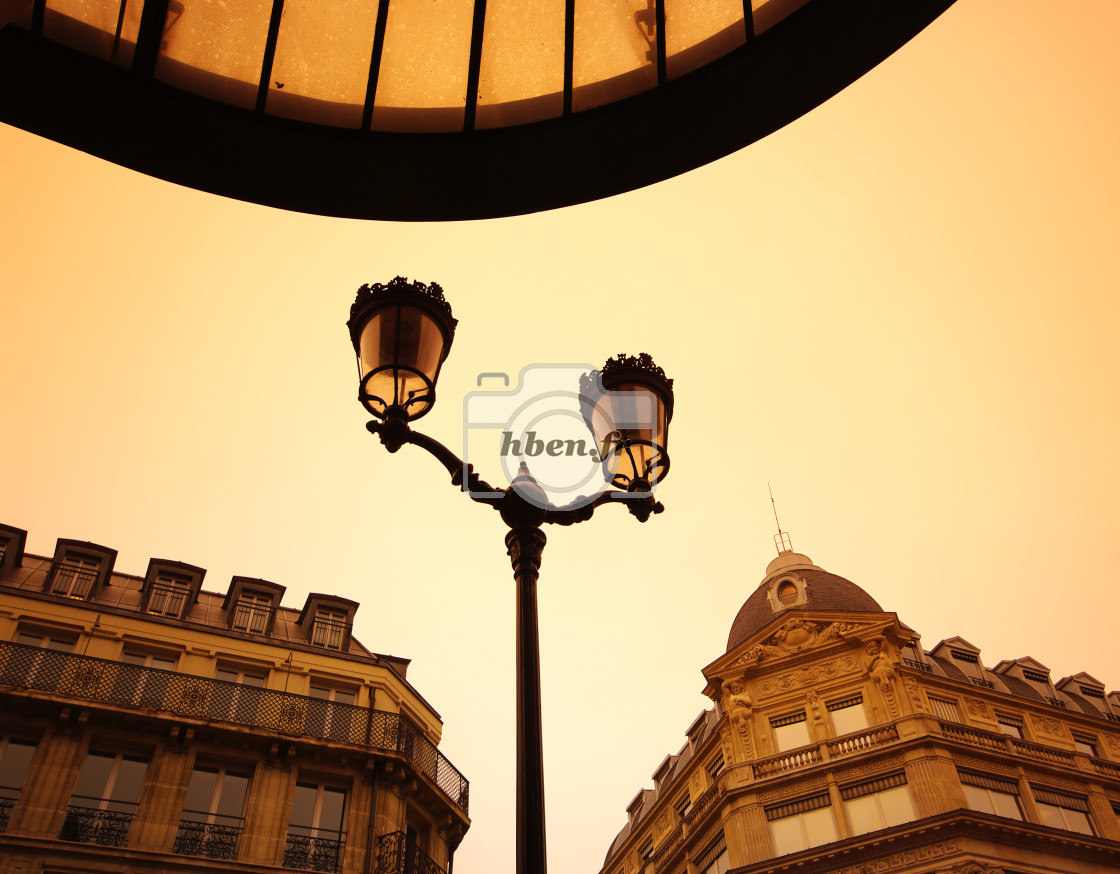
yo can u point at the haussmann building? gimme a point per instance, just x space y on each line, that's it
838 744
148 725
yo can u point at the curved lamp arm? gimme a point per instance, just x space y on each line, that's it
395 434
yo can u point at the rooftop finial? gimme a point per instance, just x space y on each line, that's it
781 539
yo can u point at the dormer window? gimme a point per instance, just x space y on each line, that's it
326 620
252 612
169 594
74 576
251 604
787 591
11 547
79 569
171 587
329 628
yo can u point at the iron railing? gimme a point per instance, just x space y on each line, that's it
70 580
917 665
329 633
210 839
95 679
86 825
6 805
313 853
167 599
253 618
395 856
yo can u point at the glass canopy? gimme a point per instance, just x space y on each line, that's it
387 69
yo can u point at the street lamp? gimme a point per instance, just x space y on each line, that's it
401 333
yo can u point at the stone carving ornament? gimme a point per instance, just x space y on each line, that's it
795 636
901 860
809 675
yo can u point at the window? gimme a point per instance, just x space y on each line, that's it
945 709
683 805
252 612
878 803
1012 726
138 681
645 850
211 822
787 592
333 714
74 575
15 762
848 715
714 858
1061 810
988 794
715 766
105 799
1035 676
1083 743
169 594
237 696
962 656
801 824
315 835
329 628
790 732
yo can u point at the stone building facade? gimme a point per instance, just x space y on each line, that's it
838 744
149 725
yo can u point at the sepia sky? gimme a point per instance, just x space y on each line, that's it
901 310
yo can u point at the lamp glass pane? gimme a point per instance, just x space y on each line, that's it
522 74
321 68
96 27
696 33
215 49
615 51
638 415
422 82
411 357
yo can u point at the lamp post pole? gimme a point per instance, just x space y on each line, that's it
525 545
401 334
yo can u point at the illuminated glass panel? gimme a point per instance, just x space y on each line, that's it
696 33
321 68
615 52
522 74
767 13
215 48
422 83
103 28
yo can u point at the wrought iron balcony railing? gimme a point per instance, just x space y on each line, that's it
395 856
93 679
917 665
167 600
253 618
6 805
313 853
71 580
210 839
329 633
86 825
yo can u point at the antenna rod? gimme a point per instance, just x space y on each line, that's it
775 506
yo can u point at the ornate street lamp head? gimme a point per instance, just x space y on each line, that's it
628 405
402 332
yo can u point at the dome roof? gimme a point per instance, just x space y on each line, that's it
822 591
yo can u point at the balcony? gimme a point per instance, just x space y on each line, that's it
92 679
804 757
6 805
87 825
209 839
313 853
329 633
396 856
